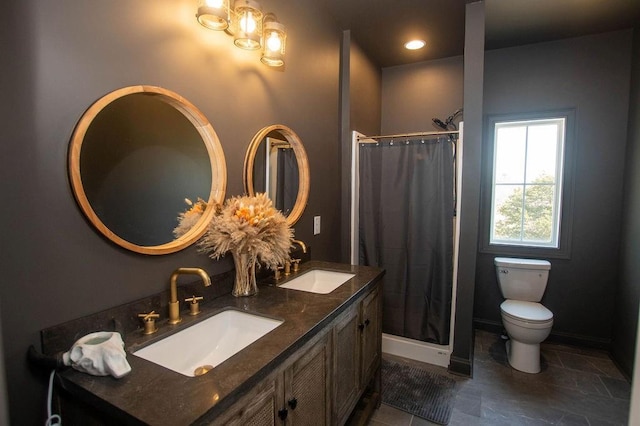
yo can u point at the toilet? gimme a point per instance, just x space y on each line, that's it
522 283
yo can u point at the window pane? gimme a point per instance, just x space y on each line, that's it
511 144
541 153
538 213
507 212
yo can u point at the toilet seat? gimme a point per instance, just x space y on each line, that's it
527 312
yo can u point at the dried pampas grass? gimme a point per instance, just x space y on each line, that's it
247 224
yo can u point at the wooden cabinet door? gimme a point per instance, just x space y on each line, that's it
346 364
307 392
371 336
258 408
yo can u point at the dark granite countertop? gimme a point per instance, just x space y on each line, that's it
154 395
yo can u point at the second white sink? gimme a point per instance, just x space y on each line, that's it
318 281
200 347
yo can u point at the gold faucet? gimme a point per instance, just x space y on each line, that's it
302 245
174 305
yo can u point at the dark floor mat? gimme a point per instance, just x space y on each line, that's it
417 391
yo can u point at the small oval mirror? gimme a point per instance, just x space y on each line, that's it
276 163
134 156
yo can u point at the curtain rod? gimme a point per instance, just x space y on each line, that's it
405 135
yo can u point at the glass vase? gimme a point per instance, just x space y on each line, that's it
245 281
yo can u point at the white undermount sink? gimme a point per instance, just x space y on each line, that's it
318 281
200 347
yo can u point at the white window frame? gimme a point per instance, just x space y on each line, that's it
560 123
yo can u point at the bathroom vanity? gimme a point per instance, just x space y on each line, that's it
313 368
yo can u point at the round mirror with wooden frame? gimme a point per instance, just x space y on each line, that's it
276 163
135 155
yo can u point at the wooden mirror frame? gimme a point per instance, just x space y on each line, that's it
209 138
301 159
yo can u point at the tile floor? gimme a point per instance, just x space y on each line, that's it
576 386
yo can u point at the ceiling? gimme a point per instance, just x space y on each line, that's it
381 27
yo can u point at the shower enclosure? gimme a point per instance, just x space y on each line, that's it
403 219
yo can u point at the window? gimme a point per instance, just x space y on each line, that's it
526 181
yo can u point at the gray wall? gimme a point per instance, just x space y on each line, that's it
414 94
4 403
360 100
365 92
590 74
462 356
628 295
66 54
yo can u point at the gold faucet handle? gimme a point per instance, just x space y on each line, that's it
149 322
276 272
194 306
287 267
151 316
296 264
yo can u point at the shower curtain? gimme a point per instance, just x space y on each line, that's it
406 227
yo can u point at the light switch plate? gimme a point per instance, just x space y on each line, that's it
316 225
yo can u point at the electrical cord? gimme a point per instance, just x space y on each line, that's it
55 419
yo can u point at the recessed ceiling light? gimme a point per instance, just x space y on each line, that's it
415 44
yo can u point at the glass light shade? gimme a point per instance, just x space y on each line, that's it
274 39
247 24
213 14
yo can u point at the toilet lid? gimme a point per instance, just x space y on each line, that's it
528 311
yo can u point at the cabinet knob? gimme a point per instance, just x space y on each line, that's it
367 322
293 403
361 326
283 414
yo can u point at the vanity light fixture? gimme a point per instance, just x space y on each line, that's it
247 24
415 44
274 39
214 14
250 28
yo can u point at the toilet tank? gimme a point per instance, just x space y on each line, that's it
522 279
